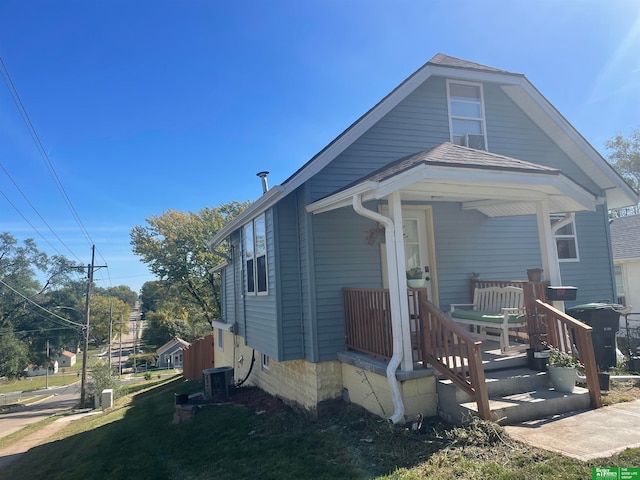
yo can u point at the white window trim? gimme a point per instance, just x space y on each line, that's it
265 362
255 258
481 118
220 339
575 241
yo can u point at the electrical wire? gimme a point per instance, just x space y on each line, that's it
37 213
43 153
66 320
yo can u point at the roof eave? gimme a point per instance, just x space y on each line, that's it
263 203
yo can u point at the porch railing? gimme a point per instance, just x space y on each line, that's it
435 339
570 336
452 352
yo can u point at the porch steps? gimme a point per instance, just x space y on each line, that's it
515 395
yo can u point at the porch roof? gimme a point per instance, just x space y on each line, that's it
496 185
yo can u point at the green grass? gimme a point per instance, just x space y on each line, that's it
137 439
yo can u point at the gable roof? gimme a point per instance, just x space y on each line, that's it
515 85
625 232
171 344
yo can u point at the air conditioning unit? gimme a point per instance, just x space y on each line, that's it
474 141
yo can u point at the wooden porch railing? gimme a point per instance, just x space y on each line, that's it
570 336
452 352
435 339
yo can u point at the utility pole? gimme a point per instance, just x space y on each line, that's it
110 330
90 268
47 381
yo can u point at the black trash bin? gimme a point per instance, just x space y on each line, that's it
604 318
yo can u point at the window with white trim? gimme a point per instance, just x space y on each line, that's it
220 339
566 240
466 115
265 362
620 292
255 238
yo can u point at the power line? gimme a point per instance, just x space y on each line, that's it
66 320
37 213
34 135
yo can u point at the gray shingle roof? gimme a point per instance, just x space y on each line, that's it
448 154
625 237
446 61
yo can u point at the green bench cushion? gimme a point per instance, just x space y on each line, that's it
487 317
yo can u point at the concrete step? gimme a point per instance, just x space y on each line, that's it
515 395
499 383
537 404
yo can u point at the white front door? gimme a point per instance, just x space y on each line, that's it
417 226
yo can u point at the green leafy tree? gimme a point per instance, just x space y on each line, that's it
104 311
175 247
102 378
624 156
121 292
13 355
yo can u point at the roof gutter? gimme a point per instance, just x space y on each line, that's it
396 318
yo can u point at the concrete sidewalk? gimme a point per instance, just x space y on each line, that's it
584 435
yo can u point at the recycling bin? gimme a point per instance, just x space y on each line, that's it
604 319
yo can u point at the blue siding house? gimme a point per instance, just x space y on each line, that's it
462 170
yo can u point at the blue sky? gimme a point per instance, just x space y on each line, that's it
147 106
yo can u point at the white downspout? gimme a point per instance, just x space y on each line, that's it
396 319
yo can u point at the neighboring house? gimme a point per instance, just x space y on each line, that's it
66 359
625 232
40 371
170 354
474 169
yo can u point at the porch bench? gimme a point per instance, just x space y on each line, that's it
494 311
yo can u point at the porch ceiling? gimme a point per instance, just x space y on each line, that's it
492 184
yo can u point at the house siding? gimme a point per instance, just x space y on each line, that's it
260 312
420 121
288 278
341 259
512 133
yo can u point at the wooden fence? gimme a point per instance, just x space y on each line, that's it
198 357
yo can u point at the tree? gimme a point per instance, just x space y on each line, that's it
103 311
13 355
121 292
624 156
175 247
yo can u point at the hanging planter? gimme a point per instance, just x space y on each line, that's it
414 278
534 274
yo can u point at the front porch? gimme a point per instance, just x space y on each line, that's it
443 350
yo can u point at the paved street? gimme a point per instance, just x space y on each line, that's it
62 398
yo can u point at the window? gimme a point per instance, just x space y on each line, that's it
620 293
255 237
566 241
265 362
220 339
466 115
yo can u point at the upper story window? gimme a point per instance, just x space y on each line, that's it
566 240
255 238
466 115
620 292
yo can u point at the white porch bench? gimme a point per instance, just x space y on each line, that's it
494 311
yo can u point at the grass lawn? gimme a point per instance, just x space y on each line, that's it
257 437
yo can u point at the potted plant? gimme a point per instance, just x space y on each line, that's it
563 370
414 278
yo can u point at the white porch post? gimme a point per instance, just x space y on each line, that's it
548 250
395 208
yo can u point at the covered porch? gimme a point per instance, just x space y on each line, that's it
405 327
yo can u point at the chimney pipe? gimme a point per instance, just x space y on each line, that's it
263 177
